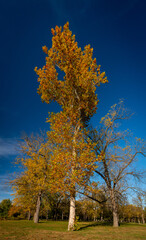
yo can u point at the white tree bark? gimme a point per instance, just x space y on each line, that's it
71 213
36 215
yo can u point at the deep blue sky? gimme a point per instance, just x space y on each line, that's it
115 29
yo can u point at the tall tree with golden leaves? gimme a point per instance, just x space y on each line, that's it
75 93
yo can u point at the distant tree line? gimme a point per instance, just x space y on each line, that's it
57 208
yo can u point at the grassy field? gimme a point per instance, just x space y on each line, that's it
52 230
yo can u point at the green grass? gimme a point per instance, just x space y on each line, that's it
51 230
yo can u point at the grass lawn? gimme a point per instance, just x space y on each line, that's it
52 230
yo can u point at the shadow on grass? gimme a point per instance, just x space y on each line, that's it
96 224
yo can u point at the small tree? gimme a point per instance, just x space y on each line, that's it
4 208
36 176
140 202
16 212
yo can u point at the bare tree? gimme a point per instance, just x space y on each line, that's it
117 151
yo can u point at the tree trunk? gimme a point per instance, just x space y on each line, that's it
55 214
101 216
47 213
114 210
84 217
36 215
71 213
29 215
142 216
115 218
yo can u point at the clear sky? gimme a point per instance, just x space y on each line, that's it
115 29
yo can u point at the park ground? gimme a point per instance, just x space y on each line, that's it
51 230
